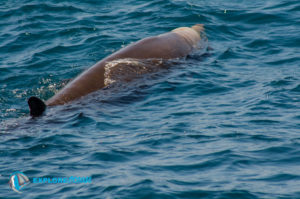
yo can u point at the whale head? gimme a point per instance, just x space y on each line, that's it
198 28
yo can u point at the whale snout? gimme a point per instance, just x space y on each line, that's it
198 27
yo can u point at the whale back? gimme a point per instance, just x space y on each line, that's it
175 44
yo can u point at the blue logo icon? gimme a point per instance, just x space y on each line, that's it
18 181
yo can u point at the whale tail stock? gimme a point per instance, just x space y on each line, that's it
36 106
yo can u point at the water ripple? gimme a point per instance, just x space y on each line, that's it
220 125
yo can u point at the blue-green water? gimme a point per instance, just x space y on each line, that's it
222 125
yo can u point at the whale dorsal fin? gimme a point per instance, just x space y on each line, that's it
36 106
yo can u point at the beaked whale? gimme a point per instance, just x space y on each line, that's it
175 44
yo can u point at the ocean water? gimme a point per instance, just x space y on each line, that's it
223 124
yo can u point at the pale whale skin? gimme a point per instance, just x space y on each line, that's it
175 44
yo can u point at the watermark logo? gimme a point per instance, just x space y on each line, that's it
17 181
57 180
